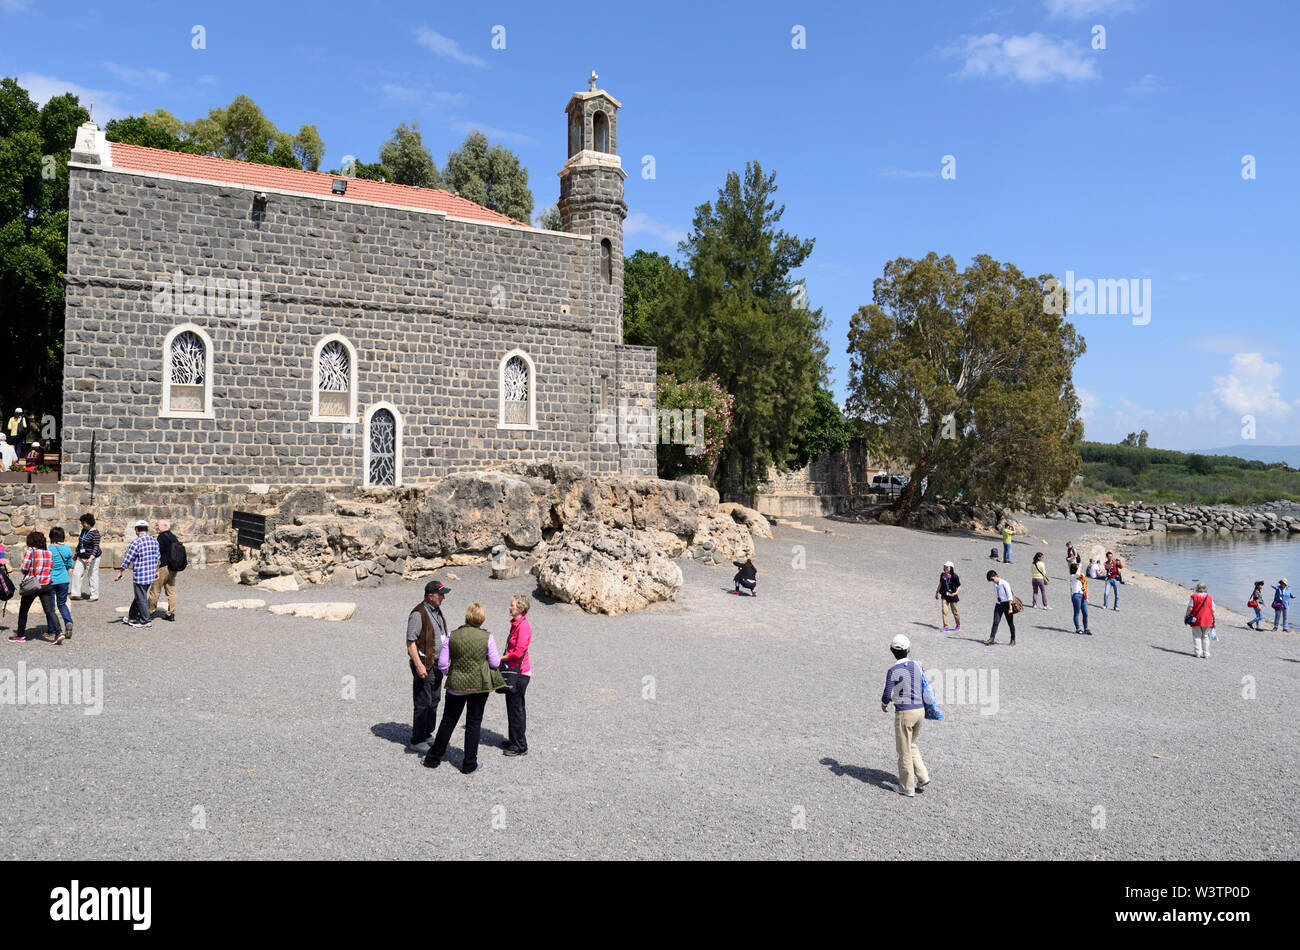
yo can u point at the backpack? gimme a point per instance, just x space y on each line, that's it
178 558
6 584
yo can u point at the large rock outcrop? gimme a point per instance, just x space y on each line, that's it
520 518
606 570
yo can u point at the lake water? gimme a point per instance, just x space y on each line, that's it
1229 566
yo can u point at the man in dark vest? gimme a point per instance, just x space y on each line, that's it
426 630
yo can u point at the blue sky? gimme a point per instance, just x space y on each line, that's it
1115 163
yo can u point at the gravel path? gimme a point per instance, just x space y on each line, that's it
718 726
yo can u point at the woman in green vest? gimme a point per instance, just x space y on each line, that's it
469 659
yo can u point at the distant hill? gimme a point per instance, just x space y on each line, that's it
1260 453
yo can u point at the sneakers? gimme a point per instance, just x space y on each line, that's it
60 638
945 630
1045 607
922 786
957 628
1087 633
422 747
989 642
17 638
147 625
512 751
895 787
170 618
92 599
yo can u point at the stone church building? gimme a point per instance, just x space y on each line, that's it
231 323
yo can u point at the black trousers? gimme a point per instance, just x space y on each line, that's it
474 703
1002 609
516 716
739 581
46 594
425 693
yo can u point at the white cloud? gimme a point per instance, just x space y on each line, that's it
1220 343
408 93
1249 388
43 88
148 78
1088 403
638 222
445 47
1031 58
492 132
208 79
15 6
1148 84
1077 9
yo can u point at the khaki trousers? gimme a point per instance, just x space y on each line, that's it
955 616
911 768
166 581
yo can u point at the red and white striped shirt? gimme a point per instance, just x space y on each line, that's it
37 562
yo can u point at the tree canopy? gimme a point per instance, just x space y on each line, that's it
34 147
407 158
736 310
969 379
490 176
240 131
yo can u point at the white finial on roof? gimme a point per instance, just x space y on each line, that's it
591 81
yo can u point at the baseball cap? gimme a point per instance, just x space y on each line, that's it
949 564
900 642
142 524
435 587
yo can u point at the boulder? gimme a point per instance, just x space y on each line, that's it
758 525
729 540
246 604
280 583
606 570
317 611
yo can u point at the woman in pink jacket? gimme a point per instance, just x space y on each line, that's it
516 658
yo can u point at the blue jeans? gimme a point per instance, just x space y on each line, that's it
1279 616
61 595
1259 617
1080 607
1112 584
1006 554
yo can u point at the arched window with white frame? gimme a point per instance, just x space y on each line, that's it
518 409
187 373
334 380
383 447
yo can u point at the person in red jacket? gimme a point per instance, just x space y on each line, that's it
1200 617
516 658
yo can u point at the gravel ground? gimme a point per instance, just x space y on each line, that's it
714 727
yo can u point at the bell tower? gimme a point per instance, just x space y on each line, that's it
591 202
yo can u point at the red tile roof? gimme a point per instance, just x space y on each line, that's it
207 168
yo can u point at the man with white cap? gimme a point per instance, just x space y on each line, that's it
142 557
904 687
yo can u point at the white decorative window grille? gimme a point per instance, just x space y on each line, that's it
515 383
334 380
383 448
189 364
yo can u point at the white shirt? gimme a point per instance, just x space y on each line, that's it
1003 592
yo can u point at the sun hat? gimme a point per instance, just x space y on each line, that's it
900 642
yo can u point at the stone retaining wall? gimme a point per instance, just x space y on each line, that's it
1220 519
